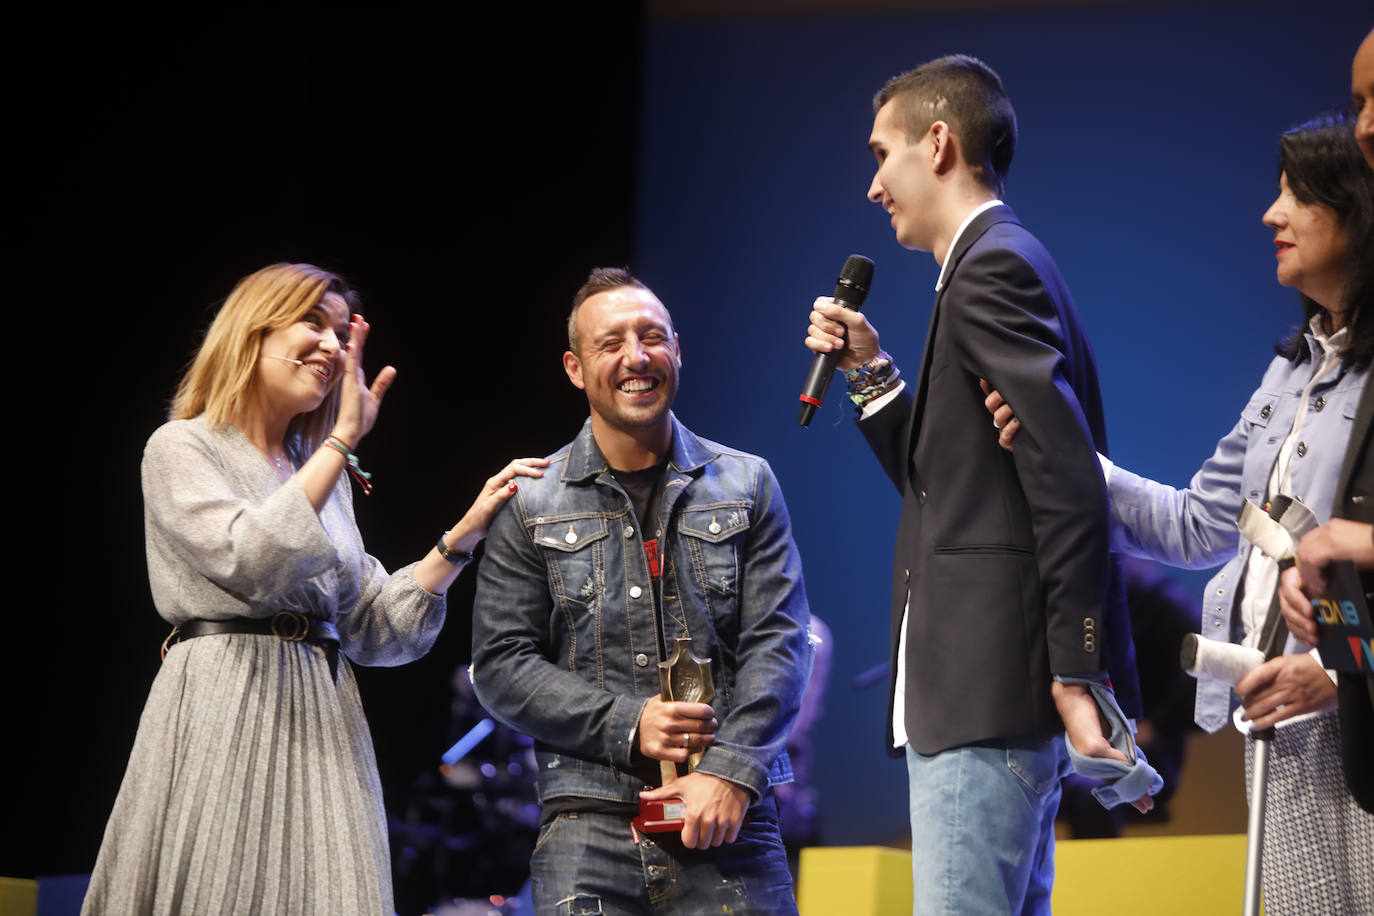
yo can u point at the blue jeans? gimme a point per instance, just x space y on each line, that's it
589 865
982 826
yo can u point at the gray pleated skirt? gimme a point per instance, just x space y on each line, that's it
1318 844
252 788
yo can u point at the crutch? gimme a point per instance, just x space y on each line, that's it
1272 640
1276 534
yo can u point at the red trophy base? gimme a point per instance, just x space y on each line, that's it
660 816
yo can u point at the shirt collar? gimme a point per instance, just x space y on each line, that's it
1322 343
585 461
940 281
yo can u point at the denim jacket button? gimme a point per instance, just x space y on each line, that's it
642 660
629 531
571 536
636 591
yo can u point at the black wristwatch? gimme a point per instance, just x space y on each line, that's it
453 556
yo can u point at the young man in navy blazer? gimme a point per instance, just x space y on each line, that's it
1002 578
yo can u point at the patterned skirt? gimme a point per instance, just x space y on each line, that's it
1318 844
252 788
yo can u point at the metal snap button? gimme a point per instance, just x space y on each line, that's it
571 536
629 531
636 591
642 660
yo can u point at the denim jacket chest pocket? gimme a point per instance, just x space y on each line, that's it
574 548
1261 407
1264 406
711 536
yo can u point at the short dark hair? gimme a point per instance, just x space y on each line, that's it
965 93
600 280
1324 166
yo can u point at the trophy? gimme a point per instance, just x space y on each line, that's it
687 679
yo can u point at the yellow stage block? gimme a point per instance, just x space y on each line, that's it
1123 877
1150 875
18 897
854 881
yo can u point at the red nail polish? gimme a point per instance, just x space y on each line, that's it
512 487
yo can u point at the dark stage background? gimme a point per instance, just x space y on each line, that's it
466 176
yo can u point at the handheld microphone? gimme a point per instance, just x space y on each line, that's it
850 291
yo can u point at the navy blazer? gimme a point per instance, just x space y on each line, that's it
1004 557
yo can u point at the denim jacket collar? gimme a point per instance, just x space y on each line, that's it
687 454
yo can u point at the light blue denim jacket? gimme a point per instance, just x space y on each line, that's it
1196 528
564 641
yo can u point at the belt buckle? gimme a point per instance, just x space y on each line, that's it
290 626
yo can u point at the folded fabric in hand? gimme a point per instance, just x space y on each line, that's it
1127 781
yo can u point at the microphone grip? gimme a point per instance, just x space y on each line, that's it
822 370
851 288
817 381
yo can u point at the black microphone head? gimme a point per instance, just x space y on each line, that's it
855 277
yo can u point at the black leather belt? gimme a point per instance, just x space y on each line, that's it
288 626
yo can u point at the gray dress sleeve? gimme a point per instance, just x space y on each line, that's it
226 538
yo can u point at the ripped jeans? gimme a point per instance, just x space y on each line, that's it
588 864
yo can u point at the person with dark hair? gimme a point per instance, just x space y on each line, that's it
643 533
252 785
1007 610
1350 533
1290 440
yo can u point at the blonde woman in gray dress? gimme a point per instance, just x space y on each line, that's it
252 786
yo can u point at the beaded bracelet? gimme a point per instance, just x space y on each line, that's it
871 380
355 470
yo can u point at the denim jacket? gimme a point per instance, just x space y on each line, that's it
564 637
1196 527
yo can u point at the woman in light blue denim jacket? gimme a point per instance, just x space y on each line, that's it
1290 440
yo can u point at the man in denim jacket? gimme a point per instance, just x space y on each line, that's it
639 532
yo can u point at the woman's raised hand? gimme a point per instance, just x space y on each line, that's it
359 402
